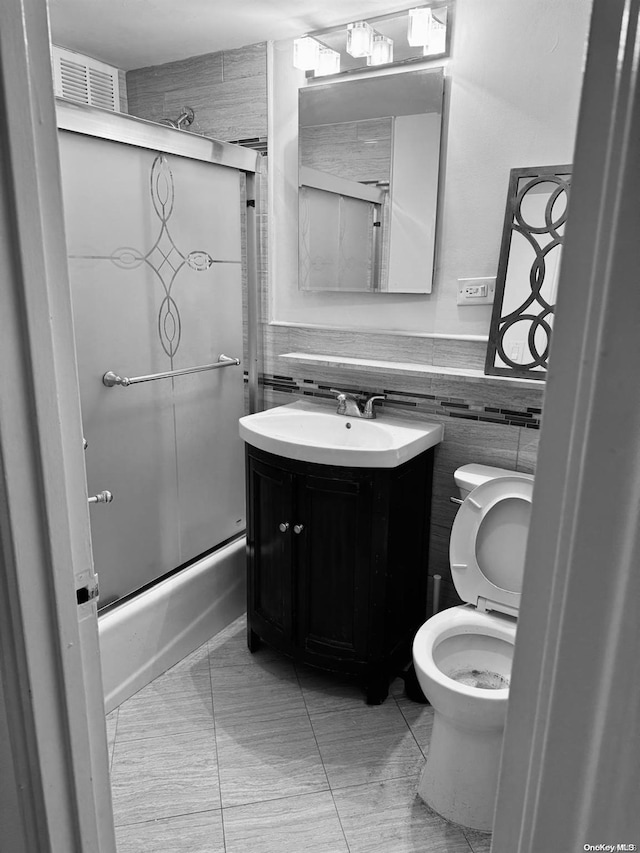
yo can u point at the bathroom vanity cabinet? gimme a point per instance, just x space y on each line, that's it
338 562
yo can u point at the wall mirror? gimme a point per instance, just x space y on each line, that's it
369 157
528 269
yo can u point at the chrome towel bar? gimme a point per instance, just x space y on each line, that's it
110 378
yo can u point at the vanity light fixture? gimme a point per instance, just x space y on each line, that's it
359 39
381 50
420 24
306 53
328 62
437 37
417 34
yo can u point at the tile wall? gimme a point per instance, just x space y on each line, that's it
345 149
227 91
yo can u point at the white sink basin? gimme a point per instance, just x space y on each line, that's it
312 432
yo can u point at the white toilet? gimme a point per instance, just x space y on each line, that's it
463 655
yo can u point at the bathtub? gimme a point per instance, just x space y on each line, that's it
147 634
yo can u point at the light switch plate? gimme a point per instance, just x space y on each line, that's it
476 291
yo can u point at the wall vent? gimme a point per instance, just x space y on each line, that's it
85 80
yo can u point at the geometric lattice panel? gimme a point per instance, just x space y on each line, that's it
528 271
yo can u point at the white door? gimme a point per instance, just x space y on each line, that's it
54 791
570 776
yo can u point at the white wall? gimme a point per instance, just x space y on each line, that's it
514 82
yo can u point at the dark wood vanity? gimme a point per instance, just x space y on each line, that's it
337 563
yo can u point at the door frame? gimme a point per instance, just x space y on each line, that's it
569 775
55 791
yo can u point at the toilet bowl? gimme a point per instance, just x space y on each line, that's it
463 655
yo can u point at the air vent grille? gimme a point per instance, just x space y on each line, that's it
85 80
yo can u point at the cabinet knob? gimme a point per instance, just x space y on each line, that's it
298 528
283 526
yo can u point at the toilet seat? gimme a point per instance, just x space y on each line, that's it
488 542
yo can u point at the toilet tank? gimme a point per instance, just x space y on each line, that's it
467 477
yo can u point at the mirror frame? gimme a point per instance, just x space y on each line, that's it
515 223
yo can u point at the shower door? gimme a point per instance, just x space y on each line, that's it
154 251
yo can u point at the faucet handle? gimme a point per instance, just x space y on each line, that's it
341 396
347 403
369 411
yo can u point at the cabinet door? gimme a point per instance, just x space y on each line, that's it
332 559
269 523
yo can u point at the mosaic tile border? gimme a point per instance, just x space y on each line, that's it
453 407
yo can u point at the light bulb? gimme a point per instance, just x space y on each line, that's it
420 23
381 50
328 62
305 53
437 39
359 39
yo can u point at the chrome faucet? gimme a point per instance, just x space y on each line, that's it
353 408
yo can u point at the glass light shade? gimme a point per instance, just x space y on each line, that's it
420 23
328 62
306 51
437 39
381 50
359 39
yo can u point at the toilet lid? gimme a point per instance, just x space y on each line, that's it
488 543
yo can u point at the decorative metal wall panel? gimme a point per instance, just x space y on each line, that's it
522 319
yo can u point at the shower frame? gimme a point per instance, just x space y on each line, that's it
147 631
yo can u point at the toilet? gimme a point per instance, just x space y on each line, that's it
463 655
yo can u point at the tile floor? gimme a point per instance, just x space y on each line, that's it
229 752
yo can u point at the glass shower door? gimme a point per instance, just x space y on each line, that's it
155 267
